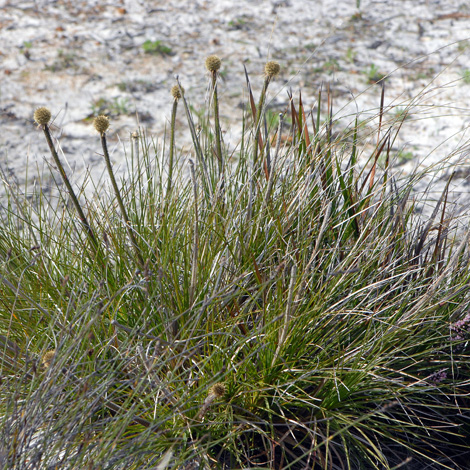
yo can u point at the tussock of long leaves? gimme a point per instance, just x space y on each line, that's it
301 281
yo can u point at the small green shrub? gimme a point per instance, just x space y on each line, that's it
156 47
329 67
404 156
64 61
463 45
466 76
373 74
113 107
350 55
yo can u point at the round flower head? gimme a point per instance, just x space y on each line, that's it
176 92
213 63
218 390
42 116
271 69
101 124
47 358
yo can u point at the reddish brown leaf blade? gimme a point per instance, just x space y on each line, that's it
250 94
258 274
304 121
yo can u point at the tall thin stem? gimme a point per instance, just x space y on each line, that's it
218 134
172 148
130 231
192 288
258 120
70 190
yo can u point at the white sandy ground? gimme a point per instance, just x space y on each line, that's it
69 55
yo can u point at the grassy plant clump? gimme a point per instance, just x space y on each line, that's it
303 317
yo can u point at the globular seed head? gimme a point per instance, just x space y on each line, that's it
176 92
48 358
271 69
101 124
42 115
213 63
218 390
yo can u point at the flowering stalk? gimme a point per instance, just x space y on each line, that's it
176 93
213 64
216 391
101 124
192 287
42 116
197 147
271 70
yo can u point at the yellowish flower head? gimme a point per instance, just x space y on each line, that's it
101 124
218 390
176 92
42 116
48 358
213 63
271 69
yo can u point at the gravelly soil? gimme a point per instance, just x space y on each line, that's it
84 57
